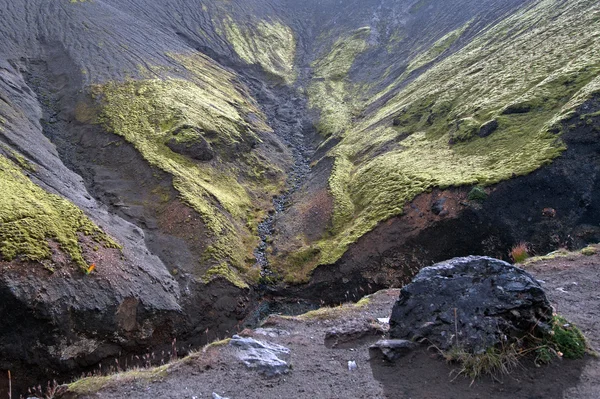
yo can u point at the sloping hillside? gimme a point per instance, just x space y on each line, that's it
201 155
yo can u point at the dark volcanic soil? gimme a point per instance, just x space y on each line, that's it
320 371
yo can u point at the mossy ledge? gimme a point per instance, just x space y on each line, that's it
30 217
427 134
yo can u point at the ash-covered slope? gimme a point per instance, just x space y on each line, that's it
148 138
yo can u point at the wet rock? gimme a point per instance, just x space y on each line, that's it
392 349
269 359
488 128
485 301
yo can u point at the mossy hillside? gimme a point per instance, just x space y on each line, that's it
30 217
17 158
148 112
429 55
272 45
329 90
544 57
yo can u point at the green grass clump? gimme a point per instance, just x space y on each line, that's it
519 252
495 362
563 340
271 45
30 217
477 193
297 265
538 59
567 339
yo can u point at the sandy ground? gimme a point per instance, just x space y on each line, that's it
321 371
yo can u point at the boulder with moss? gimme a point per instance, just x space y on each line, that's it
474 303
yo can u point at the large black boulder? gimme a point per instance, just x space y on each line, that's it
474 302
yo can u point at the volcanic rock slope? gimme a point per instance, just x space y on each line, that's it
149 138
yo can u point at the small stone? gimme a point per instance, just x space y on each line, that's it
438 206
393 349
269 359
271 332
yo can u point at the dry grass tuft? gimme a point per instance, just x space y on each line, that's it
520 252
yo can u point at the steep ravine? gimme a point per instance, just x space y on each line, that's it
119 178
294 200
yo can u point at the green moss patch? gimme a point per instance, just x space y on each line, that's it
538 60
563 340
211 108
223 270
330 313
92 385
329 90
589 251
271 45
30 217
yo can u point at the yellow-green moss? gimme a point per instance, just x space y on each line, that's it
298 265
216 344
223 270
92 385
329 89
329 313
560 253
30 217
213 104
436 49
589 251
19 159
271 45
544 59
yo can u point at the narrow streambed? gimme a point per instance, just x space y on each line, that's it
290 124
266 228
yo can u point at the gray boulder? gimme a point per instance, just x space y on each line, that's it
486 301
269 359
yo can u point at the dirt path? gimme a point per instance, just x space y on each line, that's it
321 371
